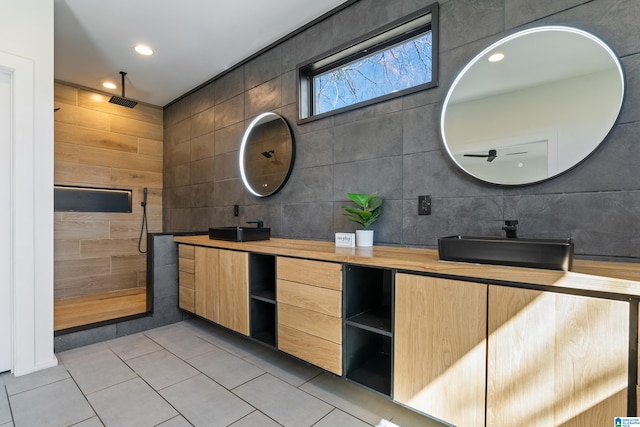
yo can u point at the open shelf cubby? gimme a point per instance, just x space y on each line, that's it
368 314
368 359
262 295
369 297
263 322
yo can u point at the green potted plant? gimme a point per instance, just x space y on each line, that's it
367 211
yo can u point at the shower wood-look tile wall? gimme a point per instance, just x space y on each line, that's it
98 144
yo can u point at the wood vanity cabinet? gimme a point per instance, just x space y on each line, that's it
556 359
309 296
440 348
221 287
479 346
186 277
546 359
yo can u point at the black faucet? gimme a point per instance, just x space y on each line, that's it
510 227
259 222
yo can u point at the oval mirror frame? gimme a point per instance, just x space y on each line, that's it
538 112
267 153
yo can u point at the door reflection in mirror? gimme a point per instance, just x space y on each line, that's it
553 98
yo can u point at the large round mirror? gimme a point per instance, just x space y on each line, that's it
532 106
266 155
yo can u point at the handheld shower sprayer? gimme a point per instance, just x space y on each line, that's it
144 220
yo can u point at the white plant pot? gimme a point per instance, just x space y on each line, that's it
364 238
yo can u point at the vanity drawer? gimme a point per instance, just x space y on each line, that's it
309 297
186 280
186 277
311 322
186 257
316 273
187 299
313 298
320 352
186 291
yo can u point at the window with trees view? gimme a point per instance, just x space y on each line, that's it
393 61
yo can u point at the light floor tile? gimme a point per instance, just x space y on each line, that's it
182 342
223 338
203 402
5 411
55 405
287 368
255 419
283 390
91 422
363 404
281 401
80 352
132 403
178 421
406 418
171 328
351 399
339 418
98 370
226 369
34 380
162 369
133 346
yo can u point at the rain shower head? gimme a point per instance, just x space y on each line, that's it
122 100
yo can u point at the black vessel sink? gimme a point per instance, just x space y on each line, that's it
535 253
240 234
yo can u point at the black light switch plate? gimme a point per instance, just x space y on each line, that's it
424 205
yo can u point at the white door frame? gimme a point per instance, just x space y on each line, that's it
31 301
6 218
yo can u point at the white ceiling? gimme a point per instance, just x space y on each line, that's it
193 40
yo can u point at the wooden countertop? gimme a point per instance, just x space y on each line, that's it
613 279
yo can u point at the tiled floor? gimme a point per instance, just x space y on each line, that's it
190 373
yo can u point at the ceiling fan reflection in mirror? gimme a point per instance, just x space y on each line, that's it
493 154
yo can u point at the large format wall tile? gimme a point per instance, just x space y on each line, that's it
395 147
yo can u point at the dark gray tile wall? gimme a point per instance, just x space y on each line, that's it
165 301
395 148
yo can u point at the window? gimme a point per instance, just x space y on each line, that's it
392 61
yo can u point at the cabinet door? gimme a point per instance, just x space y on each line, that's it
440 348
206 283
222 287
233 282
555 359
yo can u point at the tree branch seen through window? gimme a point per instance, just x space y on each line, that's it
396 68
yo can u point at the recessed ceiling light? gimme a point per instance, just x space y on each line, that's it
109 85
143 50
496 57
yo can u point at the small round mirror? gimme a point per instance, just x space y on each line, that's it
532 105
267 153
